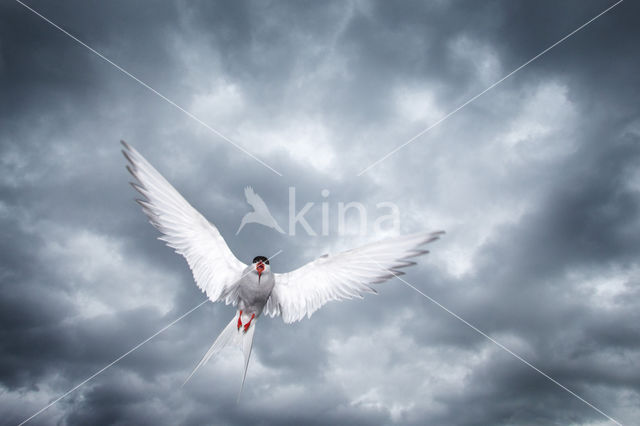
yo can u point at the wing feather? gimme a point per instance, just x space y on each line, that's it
346 275
214 267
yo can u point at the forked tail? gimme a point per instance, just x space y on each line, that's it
231 336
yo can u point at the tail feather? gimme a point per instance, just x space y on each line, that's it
247 344
230 336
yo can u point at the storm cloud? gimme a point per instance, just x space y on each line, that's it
536 183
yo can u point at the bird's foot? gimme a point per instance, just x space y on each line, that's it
247 325
240 321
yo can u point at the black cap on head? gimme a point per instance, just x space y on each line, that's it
262 259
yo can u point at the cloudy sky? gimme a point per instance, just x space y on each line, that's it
536 183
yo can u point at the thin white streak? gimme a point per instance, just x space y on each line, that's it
503 347
115 361
487 89
126 353
127 73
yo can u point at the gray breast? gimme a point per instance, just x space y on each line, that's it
253 293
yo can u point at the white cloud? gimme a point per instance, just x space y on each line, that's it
543 128
387 369
104 279
417 104
223 101
306 139
476 56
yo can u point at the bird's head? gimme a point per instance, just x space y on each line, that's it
261 264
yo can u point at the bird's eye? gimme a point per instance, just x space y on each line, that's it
266 261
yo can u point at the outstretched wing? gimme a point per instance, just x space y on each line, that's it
343 276
184 229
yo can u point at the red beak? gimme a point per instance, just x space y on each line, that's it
260 268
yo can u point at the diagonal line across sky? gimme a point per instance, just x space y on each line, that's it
145 85
97 373
362 172
446 116
494 341
130 351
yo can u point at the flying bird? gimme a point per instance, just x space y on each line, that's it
253 288
260 213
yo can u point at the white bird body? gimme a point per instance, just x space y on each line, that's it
253 288
254 291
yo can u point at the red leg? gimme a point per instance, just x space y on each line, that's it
246 326
240 320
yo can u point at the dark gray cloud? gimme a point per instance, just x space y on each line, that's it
536 183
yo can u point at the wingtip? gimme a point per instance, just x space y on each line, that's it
143 203
431 237
130 160
138 188
132 173
127 148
